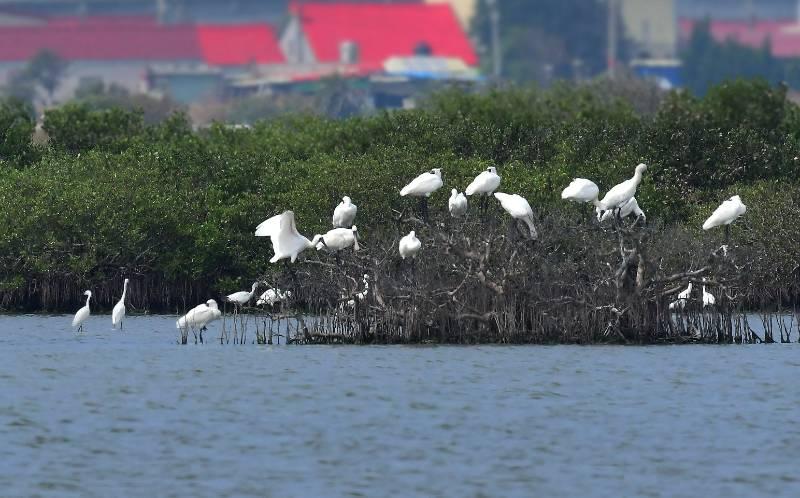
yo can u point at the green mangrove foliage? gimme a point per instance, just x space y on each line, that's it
175 209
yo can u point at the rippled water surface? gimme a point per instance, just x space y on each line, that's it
134 414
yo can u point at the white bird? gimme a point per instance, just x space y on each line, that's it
345 213
708 298
118 313
622 193
339 238
424 185
199 317
242 297
485 183
518 208
82 313
272 296
286 240
361 295
630 207
457 204
582 190
683 296
410 245
726 213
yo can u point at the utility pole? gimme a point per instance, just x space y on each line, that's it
494 17
611 51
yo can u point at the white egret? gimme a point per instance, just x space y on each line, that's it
199 317
118 313
286 240
622 193
339 238
683 297
345 213
518 208
82 313
457 204
708 298
725 214
485 183
423 186
582 190
630 207
409 245
242 297
272 296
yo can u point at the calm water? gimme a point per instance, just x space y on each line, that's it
134 414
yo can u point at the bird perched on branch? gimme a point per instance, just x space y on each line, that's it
409 245
273 296
683 297
582 190
424 185
286 240
485 183
339 238
345 213
242 297
623 192
630 207
457 204
726 213
518 208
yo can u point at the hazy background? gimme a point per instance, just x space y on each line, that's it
248 59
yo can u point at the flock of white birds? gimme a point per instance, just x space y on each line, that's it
288 243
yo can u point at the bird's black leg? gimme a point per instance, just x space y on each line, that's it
201 334
727 234
195 335
424 207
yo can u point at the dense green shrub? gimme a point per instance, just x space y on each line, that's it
112 196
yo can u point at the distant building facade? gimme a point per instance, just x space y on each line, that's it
652 26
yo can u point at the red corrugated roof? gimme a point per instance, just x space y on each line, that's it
141 38
239 44
383 30
783 36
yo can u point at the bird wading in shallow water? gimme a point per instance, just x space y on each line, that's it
82 313
118 313
199 317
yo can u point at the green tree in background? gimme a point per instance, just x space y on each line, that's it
544 39
707 63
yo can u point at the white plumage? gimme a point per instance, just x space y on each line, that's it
345 213
424 185
339 238
272 296
485 183
683 296
518 208
708 298
82 313
286 240
457 204
118 313
726 213
581 190
409 245
199 316
622 193
630 207
242 297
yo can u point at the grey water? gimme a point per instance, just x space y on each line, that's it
110 413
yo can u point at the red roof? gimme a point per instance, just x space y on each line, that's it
383 30
783 36
141 38
239 44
